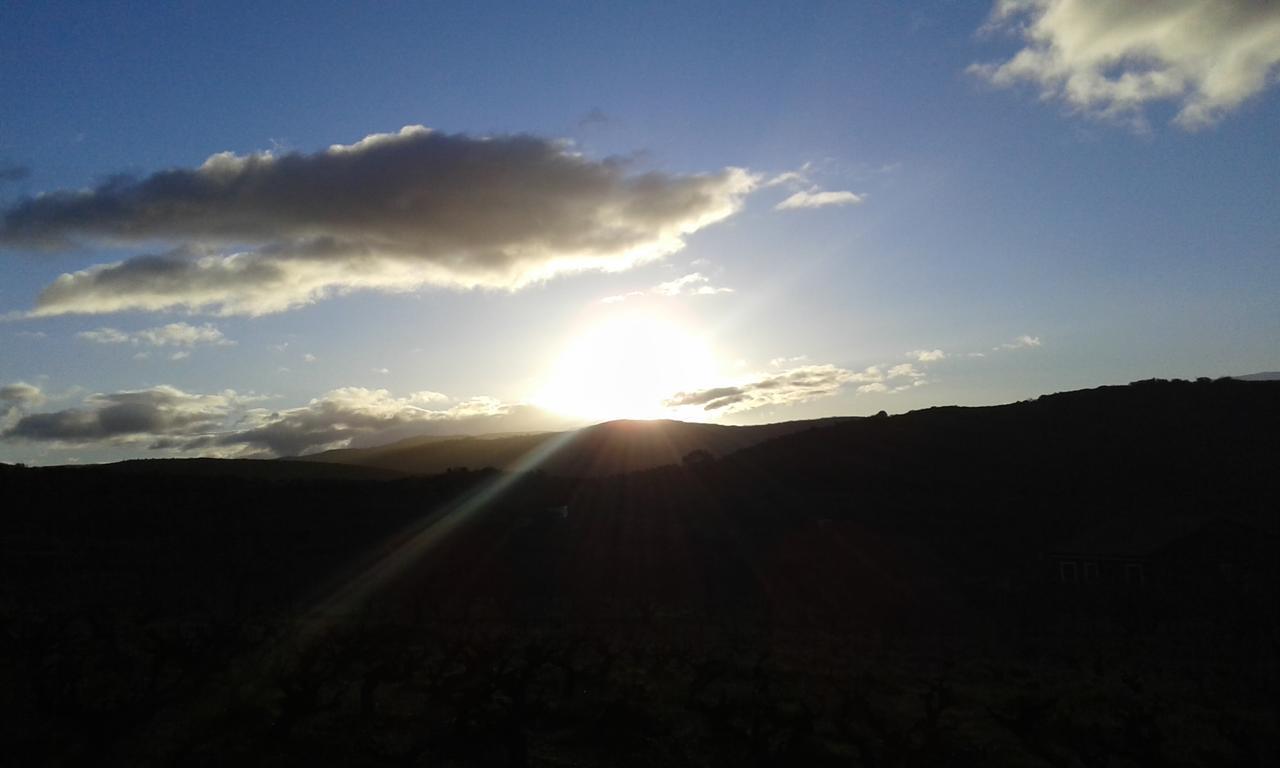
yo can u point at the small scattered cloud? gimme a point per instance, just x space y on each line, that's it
927 355
383 371
1111 59
816 198
1022 342
309 358
692 284
806 194
260 233
779 362
182 335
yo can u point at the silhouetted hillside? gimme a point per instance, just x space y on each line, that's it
612 448
1036 583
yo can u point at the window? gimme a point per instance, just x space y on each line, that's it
1067 572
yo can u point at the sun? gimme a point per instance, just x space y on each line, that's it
624 366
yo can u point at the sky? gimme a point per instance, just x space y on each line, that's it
272 229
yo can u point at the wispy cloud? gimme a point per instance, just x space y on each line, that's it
692 284
183 335
1022 342
1111 59
806 194
816 198
795 385
391 212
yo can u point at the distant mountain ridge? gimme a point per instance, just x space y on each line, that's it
611 448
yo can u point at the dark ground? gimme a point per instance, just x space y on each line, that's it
875 592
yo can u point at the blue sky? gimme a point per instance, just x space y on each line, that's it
1017 204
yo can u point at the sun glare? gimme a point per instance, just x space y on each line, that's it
624 367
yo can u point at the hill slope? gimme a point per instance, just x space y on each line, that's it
611 448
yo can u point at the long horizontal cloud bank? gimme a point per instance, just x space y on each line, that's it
229 424
1112 58
809 382
797 385
260 233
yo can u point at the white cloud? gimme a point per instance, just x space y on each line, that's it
815 198
927 355
778 362
1022 342
182 335
795 385
1111 59
905 371
392 212
692 284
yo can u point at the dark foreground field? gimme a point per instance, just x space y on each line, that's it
1087 579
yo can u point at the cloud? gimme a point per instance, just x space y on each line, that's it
128 417
260 233
167 419
183 335
815 198
798 385
16 398
927 355
1111 59
905 371
692 284
795 385
14 173
778 362
1022 342
345 415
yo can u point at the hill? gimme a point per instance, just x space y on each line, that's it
883 588
611 448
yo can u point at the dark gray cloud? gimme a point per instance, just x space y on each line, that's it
227 424
357 415
261 233
142 415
